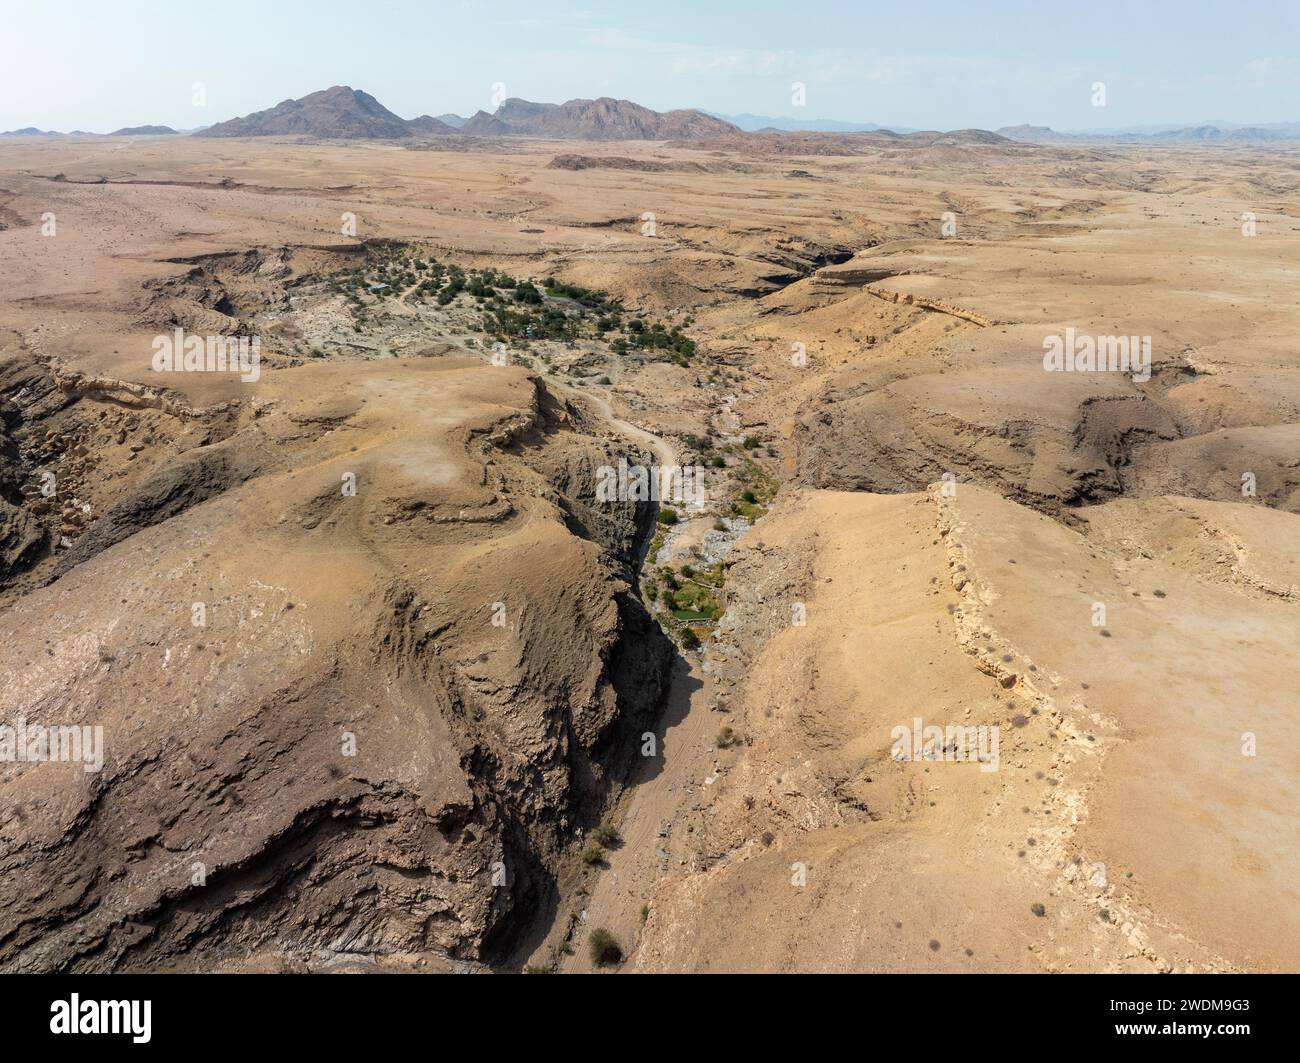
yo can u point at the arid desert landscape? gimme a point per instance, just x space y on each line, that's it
636 544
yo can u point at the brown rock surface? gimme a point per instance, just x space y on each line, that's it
332 622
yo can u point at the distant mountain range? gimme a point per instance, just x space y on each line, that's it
32 131
349 114
761 123
344 113
1224 133
129 131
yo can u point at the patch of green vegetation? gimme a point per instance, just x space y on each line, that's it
757 488
591 298
692 601
760 481
512 310
715 575
605 950
607 835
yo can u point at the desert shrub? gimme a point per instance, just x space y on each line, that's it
605 951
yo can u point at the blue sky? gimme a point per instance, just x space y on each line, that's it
100 64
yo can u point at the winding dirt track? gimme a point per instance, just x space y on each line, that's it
665 453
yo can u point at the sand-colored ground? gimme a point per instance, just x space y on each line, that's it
851 352
1121 747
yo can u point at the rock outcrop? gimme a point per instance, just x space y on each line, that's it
361 669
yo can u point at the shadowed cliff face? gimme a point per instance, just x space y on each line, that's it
358 682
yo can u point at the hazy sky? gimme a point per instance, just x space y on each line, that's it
101 64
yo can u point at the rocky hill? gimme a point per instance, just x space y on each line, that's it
338 113
427 125
607 119
144 131
482 124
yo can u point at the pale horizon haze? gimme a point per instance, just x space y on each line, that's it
933 65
